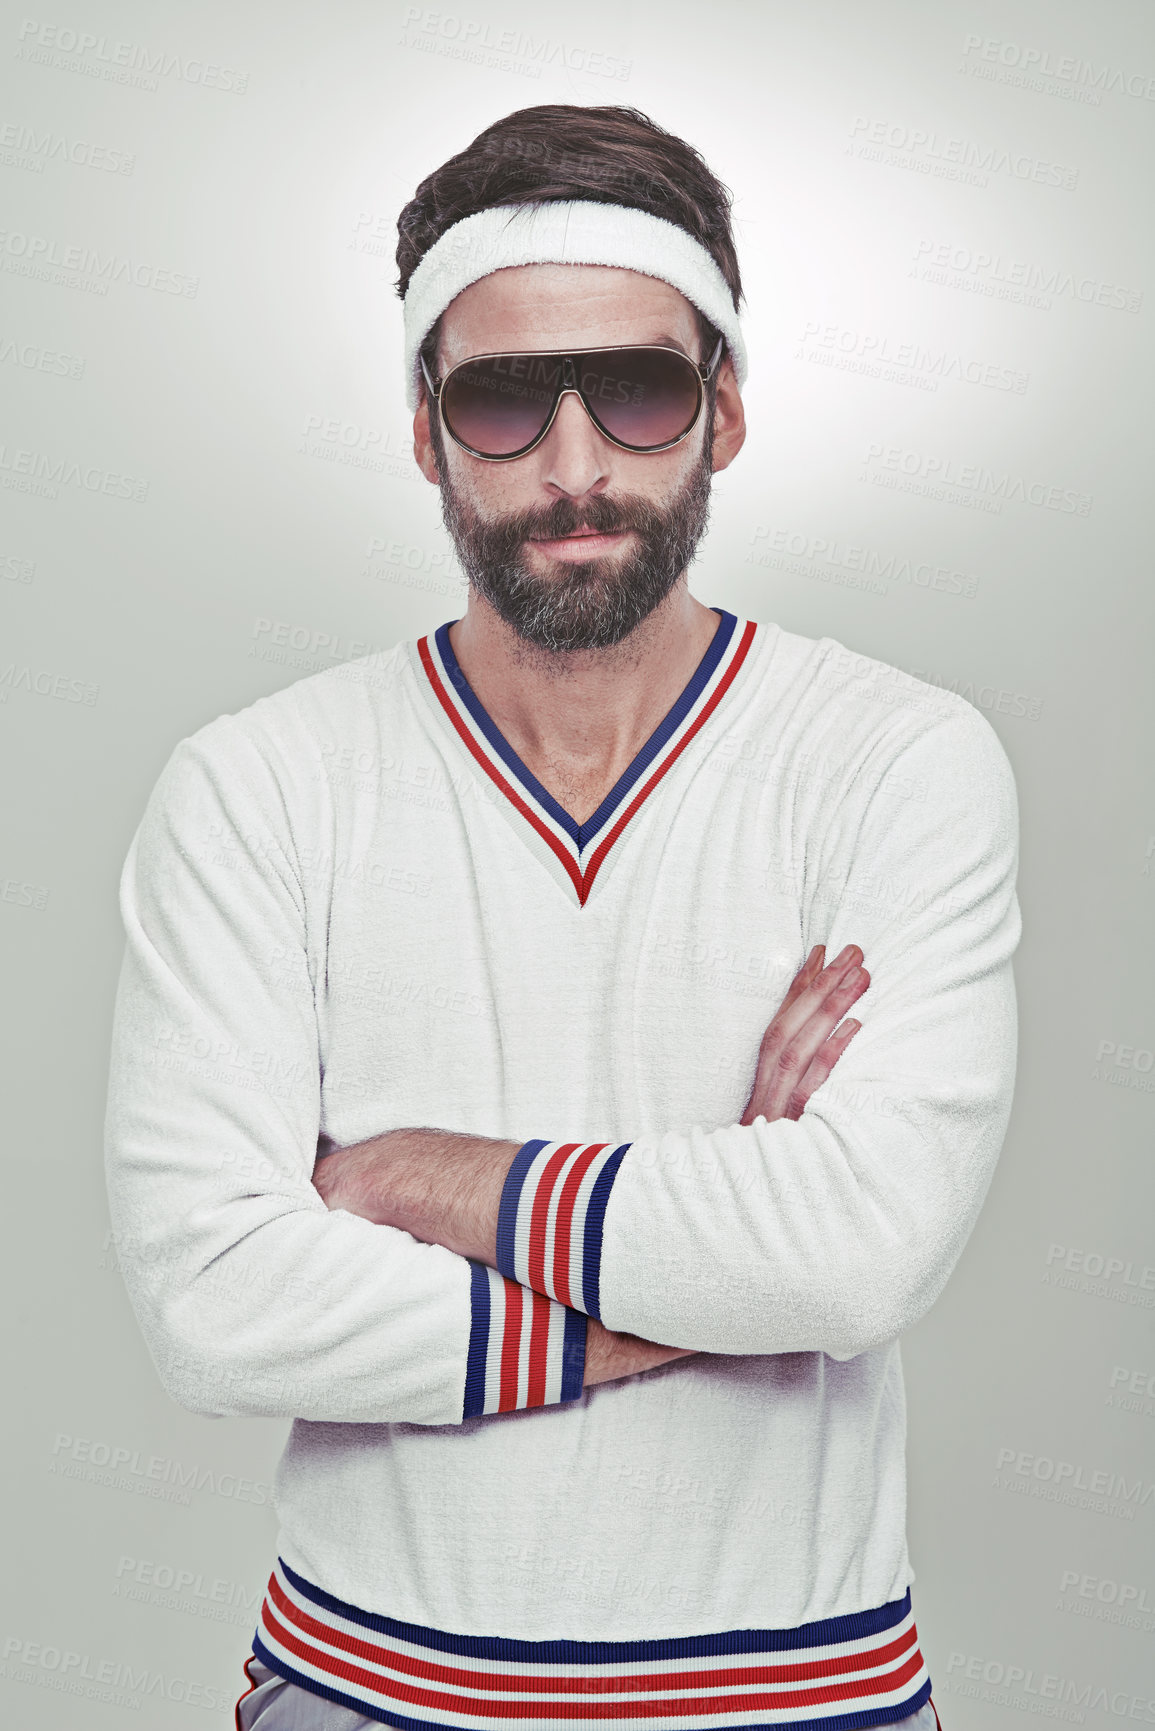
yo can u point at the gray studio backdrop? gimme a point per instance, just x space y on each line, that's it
208 491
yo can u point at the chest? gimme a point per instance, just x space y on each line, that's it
463 986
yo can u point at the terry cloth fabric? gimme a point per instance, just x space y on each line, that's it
350 908
564 232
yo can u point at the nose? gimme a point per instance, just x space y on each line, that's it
574 457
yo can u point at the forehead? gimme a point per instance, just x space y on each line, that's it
558 306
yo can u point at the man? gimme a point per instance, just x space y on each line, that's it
588 1313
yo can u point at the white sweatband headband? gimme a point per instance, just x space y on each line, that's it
564 233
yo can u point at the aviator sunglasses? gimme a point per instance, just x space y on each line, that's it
643 398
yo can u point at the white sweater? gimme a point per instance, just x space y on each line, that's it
350 908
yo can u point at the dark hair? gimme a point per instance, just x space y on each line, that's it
563 151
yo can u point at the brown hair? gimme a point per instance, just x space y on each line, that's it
563 151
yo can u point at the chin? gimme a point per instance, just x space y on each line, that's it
607 564
589 575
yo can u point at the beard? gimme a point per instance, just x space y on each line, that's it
594 604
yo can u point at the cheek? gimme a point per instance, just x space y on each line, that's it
492 489
660 476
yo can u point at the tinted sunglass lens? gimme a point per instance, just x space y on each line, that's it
498 404
643 397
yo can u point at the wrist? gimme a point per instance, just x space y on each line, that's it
445 1187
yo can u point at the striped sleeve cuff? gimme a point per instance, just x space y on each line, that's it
549 1223
524 1350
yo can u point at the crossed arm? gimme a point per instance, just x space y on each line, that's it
446 1188
826 1220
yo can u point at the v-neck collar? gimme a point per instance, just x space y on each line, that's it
581 848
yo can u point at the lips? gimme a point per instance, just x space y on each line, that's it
583 540
581 533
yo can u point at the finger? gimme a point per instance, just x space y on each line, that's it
811 988
811 985
795 1057
819 1068
791 1043
806 974
782 1066
815 989
811 1029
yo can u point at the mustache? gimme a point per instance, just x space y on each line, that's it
602 513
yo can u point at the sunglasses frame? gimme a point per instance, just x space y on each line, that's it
703 371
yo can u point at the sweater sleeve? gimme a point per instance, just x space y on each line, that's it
253 1297
837 1231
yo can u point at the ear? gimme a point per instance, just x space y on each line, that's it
422 443
729 417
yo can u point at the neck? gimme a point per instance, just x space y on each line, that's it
577 720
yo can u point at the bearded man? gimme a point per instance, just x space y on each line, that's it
472 1098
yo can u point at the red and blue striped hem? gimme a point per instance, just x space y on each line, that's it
835 1675
524 1349
551 1216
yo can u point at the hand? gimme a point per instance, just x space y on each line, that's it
801 1047
610 1355
343 1179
